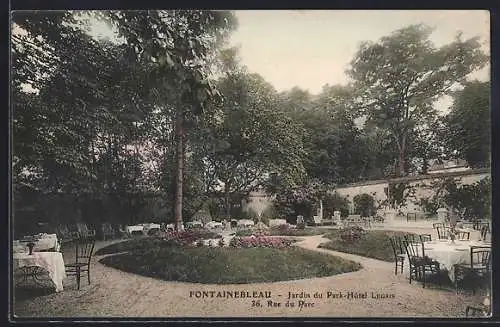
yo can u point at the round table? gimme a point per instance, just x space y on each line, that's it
135 228
53 262
448 254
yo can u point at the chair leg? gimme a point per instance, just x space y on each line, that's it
88 275
396 268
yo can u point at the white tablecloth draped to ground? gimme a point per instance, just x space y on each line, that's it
151 226
135 228
448 254
53 262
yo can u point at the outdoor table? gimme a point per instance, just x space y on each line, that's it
135 228
43 242
151 226
53 262
448 254
47 242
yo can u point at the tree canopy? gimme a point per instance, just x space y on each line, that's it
163 120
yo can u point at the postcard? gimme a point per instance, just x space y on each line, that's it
250 163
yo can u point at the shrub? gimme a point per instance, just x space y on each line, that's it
474 199
244 232
335 202
364 205
351 234
154 232
188 237
283 228
429 205
260 241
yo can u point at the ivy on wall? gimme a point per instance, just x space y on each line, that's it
472 201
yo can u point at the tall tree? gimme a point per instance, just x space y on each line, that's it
176 44
468 124
248 138
399 77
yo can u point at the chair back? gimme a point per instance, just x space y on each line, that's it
464 236
425 237
435 225
442 233
480 256
84 231
484 231
84 249
413 250
395 246
63 231
107 229
412 238
411 216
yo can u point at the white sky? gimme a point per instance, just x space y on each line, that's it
310 48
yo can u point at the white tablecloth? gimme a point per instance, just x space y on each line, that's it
53 262
135 228
45 242
447 254
151 226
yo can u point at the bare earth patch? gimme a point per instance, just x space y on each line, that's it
114 293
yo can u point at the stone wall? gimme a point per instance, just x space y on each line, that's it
423 186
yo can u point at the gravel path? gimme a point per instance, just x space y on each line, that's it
114 293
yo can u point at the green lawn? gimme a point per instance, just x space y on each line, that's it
228 265
373 244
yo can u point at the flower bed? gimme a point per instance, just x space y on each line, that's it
260 241
250 232
188 237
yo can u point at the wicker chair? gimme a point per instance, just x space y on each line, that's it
479 266
420 265
84 248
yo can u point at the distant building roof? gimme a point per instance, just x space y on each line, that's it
437 164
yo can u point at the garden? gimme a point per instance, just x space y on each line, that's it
285 230
184 257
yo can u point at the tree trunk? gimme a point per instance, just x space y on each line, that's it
227 201
179 133
401 165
